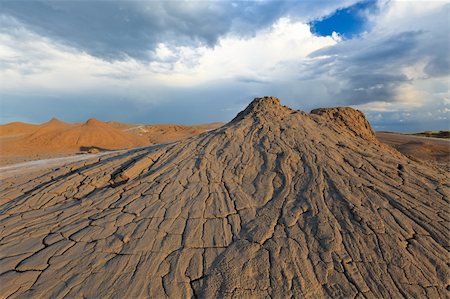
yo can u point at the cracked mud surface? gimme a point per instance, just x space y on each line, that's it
277 203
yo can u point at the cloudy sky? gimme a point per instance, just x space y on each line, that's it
203 61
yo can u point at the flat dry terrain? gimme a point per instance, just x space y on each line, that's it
277 203
436 150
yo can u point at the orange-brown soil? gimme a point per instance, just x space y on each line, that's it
21 142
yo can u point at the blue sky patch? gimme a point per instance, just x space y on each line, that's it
347 22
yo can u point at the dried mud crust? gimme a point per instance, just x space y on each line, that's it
278 203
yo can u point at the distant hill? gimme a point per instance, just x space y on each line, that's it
17 128
440 134
56 136
22 141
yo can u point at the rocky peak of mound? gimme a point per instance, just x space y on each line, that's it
95 122
277 203
54 121
349 119
268 106
343 120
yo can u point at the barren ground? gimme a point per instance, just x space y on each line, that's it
20 142
277 203
435 150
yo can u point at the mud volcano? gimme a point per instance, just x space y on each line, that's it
277 203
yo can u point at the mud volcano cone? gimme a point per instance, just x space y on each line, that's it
277 203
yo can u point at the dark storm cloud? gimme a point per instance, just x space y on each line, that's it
371 53
364 88
116 29
439 64
390 49
112 30
371 69
246 79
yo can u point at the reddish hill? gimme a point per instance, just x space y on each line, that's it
17 128
56 136
22 142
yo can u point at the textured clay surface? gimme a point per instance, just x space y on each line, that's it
277 203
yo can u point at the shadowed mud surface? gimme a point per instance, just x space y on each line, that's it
277 203
428 149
